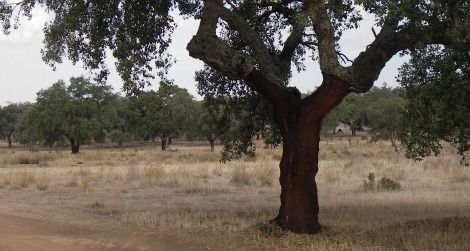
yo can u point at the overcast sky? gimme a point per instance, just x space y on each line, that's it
23 73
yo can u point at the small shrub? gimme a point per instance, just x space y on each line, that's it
386 184
369 184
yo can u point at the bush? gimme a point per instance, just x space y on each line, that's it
386 184
369 184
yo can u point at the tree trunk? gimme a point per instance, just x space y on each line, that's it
211 141
299 166
300 125
75 145
9 141
163 143
169 141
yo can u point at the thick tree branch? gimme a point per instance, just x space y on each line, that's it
277 95
323 28
330 93
291 43
263 56
368 65
205 45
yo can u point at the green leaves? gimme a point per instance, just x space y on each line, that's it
78 111
437 85
164 113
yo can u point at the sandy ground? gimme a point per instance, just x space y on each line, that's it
24 234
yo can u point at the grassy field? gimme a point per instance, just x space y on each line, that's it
371 198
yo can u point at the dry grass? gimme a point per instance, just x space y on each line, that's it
224 206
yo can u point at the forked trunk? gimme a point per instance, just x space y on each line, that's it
300 126
75 145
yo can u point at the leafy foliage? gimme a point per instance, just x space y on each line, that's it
166 113
9 116
436 84
78 111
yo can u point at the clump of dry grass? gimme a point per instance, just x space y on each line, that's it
332 175
25 178
458 175
43 181
218 171
72 182
27 158
197 219
22 179
241 177
152 175
264 175
95 204
132 174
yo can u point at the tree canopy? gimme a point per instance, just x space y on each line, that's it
79 111
9 116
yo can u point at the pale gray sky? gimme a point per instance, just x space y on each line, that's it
23 73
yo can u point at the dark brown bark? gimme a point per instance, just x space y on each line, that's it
164 144
75 145
211 141
9 139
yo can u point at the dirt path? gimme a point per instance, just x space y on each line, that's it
23 234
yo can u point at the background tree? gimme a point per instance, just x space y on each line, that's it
76 112
244 115
9 116
165 113
436 85
27 129
175 112
120 119
208 123
255 43
385 108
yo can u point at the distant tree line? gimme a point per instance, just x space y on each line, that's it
379 112
83 112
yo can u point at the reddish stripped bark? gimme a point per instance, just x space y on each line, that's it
300 123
